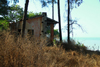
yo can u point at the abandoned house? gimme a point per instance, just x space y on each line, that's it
36 26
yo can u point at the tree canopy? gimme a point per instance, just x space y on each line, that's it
4 7
47 2
15 13
75 3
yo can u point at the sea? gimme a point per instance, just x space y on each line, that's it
92 43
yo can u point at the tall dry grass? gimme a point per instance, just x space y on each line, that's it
33 52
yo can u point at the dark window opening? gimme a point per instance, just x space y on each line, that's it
19 31
31 32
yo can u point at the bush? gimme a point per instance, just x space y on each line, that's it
4 25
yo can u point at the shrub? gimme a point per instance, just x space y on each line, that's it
4 25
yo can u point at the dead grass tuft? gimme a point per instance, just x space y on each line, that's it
33 52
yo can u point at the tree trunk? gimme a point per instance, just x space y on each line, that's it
59 21
53 9
68 39
24 17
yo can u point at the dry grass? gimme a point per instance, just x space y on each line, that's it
33 52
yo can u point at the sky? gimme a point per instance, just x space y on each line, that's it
87 15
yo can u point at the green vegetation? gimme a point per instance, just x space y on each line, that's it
15 13
56 33
80 44
3 7
31 14
4 25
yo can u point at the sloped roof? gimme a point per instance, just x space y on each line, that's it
49 20
32 17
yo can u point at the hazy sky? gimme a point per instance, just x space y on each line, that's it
87 15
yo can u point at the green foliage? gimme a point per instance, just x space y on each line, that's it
48 31
46 2
4 25
55 32
80 44
15 1
3 7
15 13
54 42
31 14
75 3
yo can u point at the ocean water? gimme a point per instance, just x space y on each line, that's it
92 43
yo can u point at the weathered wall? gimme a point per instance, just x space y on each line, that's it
44 25
20 23
13 26
34 24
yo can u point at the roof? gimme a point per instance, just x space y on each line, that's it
33 17
49 20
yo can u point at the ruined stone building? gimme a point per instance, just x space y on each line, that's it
36 26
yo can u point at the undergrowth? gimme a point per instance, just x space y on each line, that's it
33 52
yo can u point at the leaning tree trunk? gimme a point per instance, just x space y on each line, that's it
68 39
24 17
59 21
